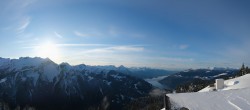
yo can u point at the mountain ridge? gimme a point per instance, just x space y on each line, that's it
46 85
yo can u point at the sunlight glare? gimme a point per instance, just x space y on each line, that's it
48 50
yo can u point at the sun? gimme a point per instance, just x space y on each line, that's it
48 50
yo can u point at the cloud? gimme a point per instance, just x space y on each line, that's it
105 47
100 54
176 59
24 24
17 6
71 45
14 13
110 32
82 45
81 34
92 34
183 47
128 48
98 51
58 35
168 59
114 49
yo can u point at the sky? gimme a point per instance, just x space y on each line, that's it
168 34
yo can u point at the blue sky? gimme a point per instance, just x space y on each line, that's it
170 34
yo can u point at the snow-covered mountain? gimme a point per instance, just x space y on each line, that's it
139 72
47 85
174 80
149 73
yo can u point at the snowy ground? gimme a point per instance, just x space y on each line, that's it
235 96
236 83
221 100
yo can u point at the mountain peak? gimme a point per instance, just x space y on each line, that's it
23 62
121 66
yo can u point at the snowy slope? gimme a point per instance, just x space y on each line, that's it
221 100
234 96
236 83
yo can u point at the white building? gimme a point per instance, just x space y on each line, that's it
219 84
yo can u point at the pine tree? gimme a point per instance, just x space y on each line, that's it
243 69
247 70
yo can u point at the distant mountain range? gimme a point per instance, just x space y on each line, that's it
139 72
192 75
46 85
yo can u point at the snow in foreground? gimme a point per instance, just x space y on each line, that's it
236 83
235 96
238 99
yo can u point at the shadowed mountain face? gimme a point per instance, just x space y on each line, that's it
45 85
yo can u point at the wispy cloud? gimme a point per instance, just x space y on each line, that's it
183 46
110 32
174 59
17 6
114 49
97 51
15 14
82 45
58 35
24 24
128 48
89 34
77 33
70 45
111 56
